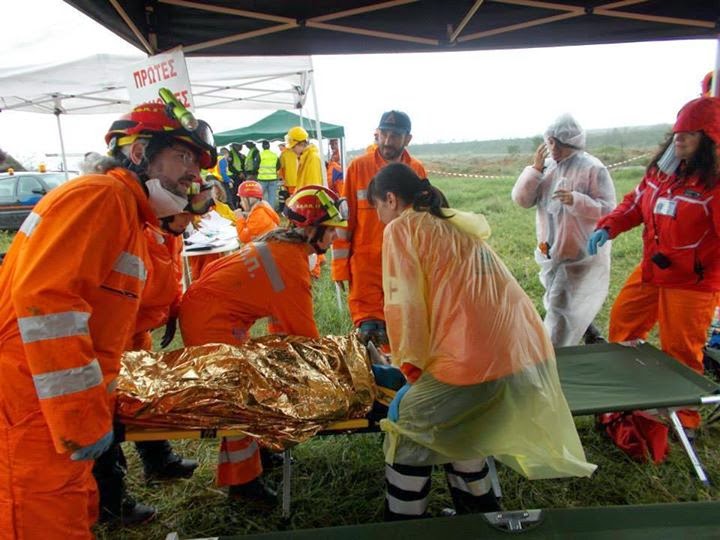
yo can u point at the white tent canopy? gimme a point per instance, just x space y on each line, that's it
96 84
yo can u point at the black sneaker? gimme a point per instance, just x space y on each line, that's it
256 490
131 513
172 469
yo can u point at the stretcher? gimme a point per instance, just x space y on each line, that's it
595 379
678 521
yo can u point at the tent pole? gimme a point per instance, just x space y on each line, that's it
714 88
318 128
343 155
62 143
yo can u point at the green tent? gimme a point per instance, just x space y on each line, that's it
274 127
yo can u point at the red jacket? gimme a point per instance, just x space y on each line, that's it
681 220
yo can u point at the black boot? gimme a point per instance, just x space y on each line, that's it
271 460
129 513
592 335
161 463
463 486
117 507
256 490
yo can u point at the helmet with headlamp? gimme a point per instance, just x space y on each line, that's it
170 121
316 206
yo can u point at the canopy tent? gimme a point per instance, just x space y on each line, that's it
246 27
274 127
97 84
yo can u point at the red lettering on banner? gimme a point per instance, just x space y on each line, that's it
155 73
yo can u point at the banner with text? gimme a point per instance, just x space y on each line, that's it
165 70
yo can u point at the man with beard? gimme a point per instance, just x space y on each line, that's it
357 253
71 287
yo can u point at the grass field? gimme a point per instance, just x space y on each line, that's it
339 480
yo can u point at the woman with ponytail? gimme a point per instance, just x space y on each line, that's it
480 367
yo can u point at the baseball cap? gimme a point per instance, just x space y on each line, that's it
395 121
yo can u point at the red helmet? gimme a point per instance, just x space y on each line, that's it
312 206
701 114
151 119
250 188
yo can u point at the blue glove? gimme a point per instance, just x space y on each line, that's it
596 240
94 450
388 376
394 409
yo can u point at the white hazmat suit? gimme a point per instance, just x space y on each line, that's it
576 284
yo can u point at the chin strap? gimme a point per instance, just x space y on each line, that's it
319 233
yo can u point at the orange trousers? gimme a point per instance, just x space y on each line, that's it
238 461
683 317
365 299
43 494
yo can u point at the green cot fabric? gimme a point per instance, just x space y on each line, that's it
613 377
677 521
520 420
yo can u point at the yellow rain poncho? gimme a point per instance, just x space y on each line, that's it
489 382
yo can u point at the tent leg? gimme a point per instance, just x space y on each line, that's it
494 477
287 474
318 128
62 143
689 450
714 87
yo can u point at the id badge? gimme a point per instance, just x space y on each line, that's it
666 207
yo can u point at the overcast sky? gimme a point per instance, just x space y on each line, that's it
449 96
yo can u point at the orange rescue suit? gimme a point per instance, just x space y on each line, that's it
163 287
261 219
264 279
357 253
70 288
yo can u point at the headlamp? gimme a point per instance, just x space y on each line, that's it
198 130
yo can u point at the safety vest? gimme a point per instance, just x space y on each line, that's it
268 166
236 163
249 165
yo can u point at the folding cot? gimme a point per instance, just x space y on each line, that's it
595 379
678 521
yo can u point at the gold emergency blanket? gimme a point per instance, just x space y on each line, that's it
280 389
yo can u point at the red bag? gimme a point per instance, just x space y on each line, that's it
638 434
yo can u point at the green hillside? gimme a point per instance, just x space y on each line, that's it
639 137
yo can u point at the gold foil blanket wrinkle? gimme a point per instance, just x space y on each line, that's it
280 389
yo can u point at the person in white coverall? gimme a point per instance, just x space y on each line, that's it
570 190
